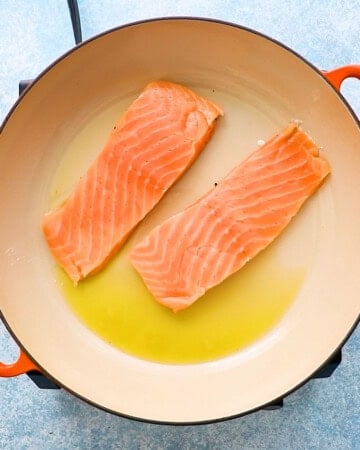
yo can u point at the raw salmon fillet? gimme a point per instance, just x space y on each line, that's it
152 144
201 246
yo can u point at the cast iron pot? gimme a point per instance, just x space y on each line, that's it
262 86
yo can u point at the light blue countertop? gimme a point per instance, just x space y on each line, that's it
322 414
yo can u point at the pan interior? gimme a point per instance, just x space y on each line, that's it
115 303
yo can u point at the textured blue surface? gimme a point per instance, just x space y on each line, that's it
323 414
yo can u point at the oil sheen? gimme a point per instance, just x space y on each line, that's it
116 305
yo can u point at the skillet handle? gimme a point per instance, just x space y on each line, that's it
21 366
337 76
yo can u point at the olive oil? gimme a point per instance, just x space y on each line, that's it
116 305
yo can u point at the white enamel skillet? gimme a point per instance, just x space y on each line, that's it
263 85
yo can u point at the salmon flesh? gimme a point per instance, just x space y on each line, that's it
201 246
151 146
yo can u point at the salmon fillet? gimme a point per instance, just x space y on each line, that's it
201 246
150 147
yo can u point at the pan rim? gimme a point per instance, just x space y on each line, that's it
179 423
175 18
137 23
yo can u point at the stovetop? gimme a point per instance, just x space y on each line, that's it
321 414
